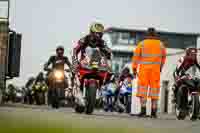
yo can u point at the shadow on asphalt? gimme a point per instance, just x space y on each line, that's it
132 117
104 114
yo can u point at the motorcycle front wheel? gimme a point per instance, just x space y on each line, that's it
91 97
55 98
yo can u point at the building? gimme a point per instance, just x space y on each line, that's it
123 41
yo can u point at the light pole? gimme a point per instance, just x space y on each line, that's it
4 33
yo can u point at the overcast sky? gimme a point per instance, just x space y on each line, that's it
44 23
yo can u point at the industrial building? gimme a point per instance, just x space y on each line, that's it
122 41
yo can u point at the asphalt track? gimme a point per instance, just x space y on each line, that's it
165 123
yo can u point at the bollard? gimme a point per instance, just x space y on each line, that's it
164 97
166 100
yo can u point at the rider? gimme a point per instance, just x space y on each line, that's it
93 39
40 77
184 63
59 61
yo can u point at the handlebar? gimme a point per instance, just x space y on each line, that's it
49 70
189 76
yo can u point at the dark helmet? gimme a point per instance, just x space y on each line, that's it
191 51
151 31
126 70
40 74
60 50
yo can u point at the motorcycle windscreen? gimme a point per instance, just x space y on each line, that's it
92 55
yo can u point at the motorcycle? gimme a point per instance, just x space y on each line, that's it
108 96
29 91
126 94
39 90
19 96
187 97
93 72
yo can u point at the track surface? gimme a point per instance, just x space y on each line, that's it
104 119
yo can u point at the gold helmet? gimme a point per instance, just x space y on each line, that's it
96 27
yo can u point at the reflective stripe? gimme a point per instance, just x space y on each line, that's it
152 55
146 62
136 54
144 92
154 89
143 87
141 93
153 95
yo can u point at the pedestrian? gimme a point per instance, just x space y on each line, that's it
148 61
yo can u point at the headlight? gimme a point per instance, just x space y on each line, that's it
44 88
58 75
37 87
94 65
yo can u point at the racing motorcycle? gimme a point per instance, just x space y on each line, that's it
93 73
39 90
56 79
187 97
126 94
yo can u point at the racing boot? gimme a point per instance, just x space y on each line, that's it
154 113
143 112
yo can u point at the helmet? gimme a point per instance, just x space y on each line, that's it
96 28
126 70
60 50
191 51
60 47
151 31
41 74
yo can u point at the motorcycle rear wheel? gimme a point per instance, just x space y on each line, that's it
194 111
181 103
79 109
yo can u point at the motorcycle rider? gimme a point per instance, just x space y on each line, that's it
184 63
58 61
93 39
29 85
40 77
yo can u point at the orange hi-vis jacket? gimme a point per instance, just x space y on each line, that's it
149 57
